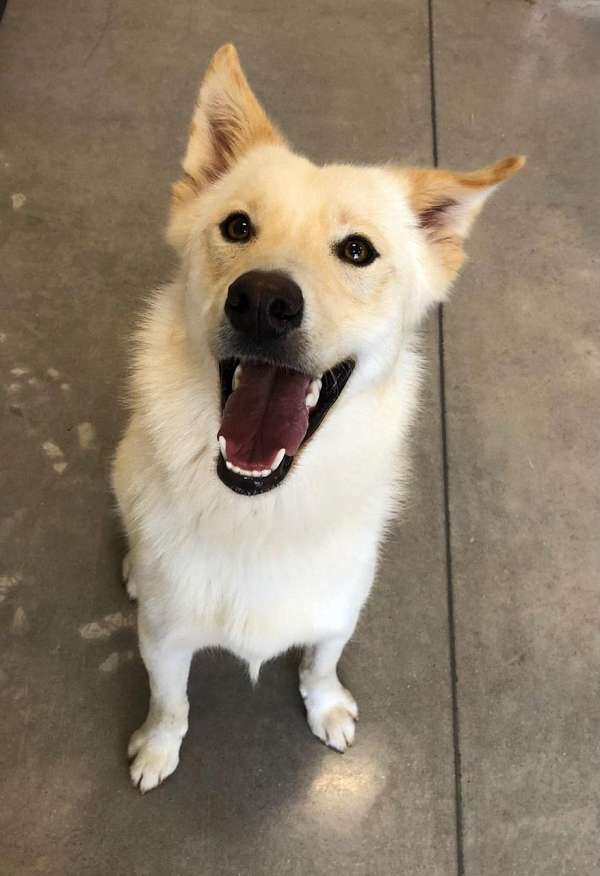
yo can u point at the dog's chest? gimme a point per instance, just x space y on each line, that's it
267 591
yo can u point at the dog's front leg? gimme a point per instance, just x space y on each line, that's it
330 709
155 746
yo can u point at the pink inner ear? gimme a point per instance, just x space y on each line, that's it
433 217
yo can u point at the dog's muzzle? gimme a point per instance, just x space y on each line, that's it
273 400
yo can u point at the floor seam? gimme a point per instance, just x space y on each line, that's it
458 796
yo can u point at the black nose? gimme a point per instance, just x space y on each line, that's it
264 304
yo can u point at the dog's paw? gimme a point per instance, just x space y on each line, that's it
128 577
332 720
155 756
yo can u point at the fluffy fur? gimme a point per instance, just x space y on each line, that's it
294 566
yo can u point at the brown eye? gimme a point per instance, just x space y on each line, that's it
356 250
237 228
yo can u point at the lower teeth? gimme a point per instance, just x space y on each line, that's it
254 473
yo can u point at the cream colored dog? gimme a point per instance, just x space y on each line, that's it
274 384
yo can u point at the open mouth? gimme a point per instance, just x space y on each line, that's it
269 413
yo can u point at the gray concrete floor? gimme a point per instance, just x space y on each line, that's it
478 750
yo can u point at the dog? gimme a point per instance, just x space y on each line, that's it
273 387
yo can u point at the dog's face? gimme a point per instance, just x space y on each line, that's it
300 277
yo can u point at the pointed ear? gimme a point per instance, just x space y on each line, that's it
228 120
446 205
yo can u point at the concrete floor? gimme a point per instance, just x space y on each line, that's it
494 775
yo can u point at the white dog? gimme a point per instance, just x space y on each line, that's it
274 384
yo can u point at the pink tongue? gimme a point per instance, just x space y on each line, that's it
265 413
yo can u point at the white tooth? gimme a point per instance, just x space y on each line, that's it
229 465
278 459
236 377
223 446
312 396
265 472
256 474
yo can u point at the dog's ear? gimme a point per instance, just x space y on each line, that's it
228 120
446 204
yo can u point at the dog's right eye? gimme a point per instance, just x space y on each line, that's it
237 228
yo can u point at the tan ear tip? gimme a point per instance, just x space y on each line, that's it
506 167
226 56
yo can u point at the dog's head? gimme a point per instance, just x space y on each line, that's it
301 278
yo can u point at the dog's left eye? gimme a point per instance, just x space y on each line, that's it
237 227
356 250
